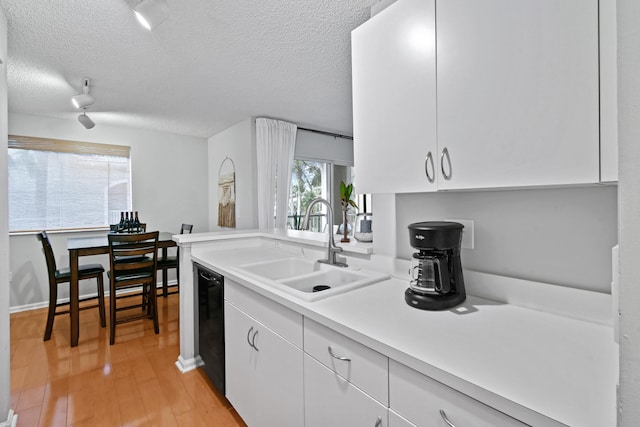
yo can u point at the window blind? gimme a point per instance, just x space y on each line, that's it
56 184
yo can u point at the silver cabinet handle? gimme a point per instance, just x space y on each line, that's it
346 359
427 160
249 333
253 340
378 422
446 420
445 153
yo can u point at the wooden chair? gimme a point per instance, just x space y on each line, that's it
133 260
173 261
63 275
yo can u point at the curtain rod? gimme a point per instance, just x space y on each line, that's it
335 135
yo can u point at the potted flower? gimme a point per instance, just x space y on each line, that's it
345 199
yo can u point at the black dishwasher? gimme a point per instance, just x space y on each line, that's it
211 323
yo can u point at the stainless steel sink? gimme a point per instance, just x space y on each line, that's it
309 280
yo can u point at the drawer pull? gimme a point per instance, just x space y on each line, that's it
253 340
346 359
446 420
378 422
249 333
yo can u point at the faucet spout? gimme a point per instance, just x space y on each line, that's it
332 249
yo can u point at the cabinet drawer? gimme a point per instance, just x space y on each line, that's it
361 366
331 400
420 399
283 321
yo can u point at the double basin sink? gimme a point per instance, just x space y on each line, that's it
310 280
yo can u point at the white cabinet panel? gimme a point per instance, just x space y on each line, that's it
360 365
263 373
396 420
517 86
394 100
240 363
608 92
421 399
330 400
285 322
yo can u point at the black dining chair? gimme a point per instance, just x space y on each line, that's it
63 275
133 261
172 261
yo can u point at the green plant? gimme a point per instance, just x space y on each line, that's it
345 197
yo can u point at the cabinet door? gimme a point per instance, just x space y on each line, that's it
396 420
517 92
330 400
240 362
279 388
394 102
263 373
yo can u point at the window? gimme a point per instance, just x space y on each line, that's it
308 181
57 185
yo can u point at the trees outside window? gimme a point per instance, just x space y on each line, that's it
308 181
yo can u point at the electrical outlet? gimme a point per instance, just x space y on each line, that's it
468 240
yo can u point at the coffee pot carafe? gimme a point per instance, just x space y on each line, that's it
436 270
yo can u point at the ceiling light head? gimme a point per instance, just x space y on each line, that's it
85 120
84 99
151 13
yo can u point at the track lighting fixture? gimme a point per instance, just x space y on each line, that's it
84 99
151 13
85 120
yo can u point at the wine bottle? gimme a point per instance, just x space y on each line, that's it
121 223
127 223
136 223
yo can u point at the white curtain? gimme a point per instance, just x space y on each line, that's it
275 144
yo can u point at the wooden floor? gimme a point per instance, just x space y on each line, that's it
133 383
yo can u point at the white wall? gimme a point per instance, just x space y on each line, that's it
561 236
169 185
5 353
313 145
629 210
237 143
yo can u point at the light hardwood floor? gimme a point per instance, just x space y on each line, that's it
133 383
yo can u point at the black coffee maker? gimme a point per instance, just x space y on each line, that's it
436 270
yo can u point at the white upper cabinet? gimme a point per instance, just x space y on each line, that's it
485 94
394 100
517 85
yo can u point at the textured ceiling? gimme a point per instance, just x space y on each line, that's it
211 64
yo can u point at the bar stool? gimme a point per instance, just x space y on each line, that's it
63 275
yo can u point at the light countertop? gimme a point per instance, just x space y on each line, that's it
533 365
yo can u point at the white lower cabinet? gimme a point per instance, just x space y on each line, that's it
263 372
345 383
331 400
426 402
396 420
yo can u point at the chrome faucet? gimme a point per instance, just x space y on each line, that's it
332 249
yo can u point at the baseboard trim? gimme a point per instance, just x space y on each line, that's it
45 304
12 419
186 365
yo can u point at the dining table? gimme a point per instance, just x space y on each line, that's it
96 245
